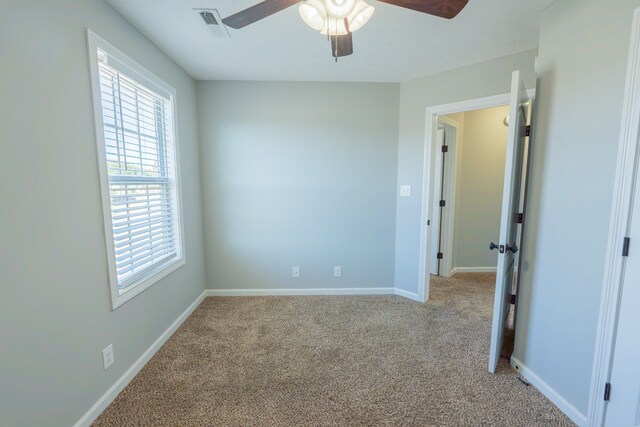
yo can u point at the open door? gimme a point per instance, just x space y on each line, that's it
437 210
623 389
508 245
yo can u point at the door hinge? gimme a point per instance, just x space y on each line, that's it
528 131
625 246
520 218
607 392
445 148
440 255
513 299
443 203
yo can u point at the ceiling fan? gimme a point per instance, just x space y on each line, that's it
338 19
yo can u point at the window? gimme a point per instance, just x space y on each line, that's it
137 153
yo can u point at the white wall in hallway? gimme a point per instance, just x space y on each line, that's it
480 182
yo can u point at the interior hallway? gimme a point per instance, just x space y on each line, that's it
335 360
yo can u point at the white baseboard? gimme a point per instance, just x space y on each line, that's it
311 291
407 294
473 270
571 411
293 291
104 401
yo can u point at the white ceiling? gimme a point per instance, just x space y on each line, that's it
395 45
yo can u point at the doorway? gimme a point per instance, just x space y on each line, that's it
469 177
513 197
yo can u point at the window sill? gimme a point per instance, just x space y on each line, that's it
117 298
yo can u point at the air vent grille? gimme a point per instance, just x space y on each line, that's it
213 22
208 18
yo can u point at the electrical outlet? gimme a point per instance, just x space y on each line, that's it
295 271
107 356
337 271
405 191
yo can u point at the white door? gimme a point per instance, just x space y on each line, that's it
507 246
437 189
443 197
623 408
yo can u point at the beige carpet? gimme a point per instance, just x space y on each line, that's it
334 361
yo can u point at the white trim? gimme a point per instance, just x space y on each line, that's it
619 227
430 126
407 294
473 270
296 291
92 414
312 291
551 394
449 121
162 271
93 43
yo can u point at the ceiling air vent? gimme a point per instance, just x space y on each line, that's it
208 18
213 21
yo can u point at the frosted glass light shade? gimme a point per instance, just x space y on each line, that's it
339 8
360 15
334 27
317 14
313 14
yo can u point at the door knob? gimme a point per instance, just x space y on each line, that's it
513 248
493 246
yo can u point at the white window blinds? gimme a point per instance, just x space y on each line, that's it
140 160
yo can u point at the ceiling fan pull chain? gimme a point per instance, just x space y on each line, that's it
335 36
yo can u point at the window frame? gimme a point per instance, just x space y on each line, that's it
143 77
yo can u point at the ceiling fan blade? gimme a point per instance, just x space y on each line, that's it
443 8
257 12
341 45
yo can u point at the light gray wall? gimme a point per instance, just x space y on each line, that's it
298 174
583 58
55 308
477 81
479 186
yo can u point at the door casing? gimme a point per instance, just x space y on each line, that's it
428 194
626 169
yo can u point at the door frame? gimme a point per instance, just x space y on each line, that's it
626 173
432 113
451 175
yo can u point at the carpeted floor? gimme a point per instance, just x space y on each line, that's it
334 361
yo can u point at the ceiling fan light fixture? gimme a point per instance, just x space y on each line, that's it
360 15
313 14
339 8
334 27
338 18
318 15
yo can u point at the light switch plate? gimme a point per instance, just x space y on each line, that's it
107 357
405 191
